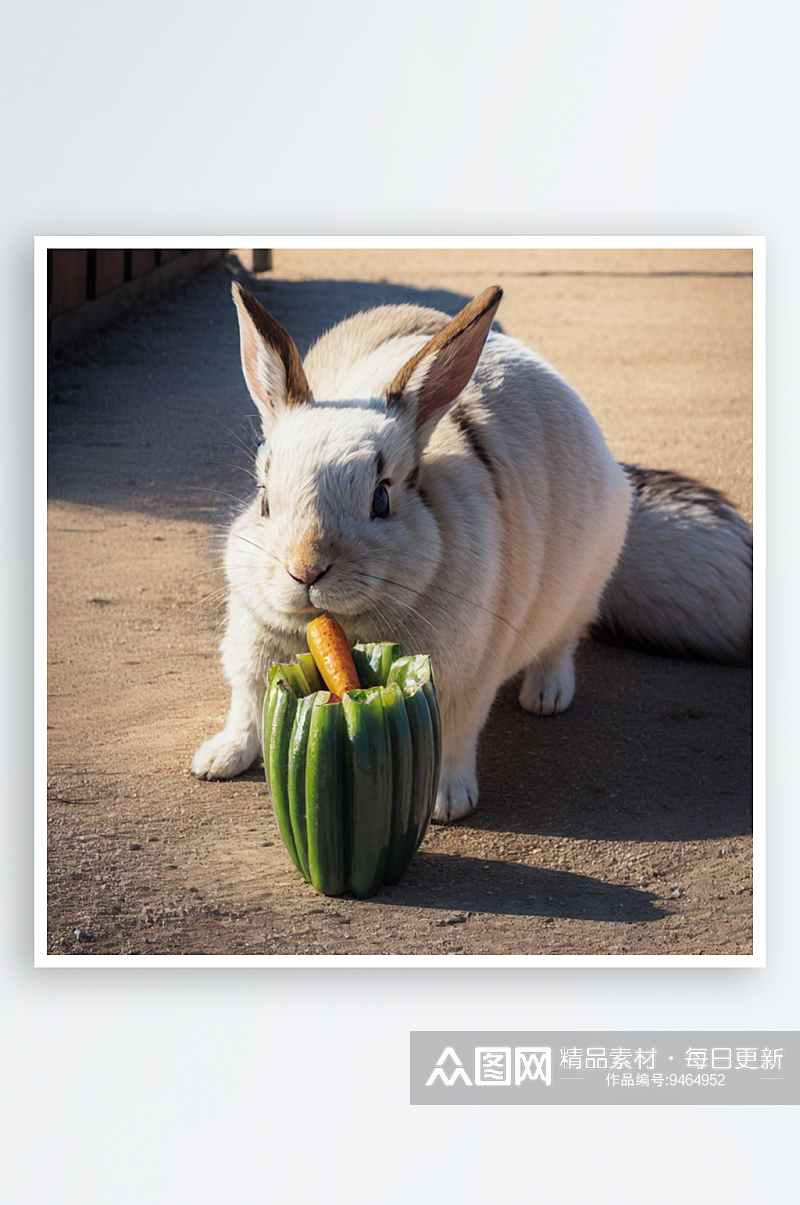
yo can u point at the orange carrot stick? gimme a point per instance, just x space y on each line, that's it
330 649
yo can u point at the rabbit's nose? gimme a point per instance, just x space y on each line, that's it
306 558
306 576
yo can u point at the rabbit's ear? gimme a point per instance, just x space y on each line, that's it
435 376
271 363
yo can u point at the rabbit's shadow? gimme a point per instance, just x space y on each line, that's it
651 750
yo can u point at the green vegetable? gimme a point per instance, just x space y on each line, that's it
353 782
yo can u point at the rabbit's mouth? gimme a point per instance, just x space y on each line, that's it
303 608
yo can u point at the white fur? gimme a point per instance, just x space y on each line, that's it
497 570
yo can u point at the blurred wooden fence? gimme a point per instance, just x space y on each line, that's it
88 288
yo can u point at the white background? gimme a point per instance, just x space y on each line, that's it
368 118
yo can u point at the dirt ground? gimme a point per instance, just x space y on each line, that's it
622 827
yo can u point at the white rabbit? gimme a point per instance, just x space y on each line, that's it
432 481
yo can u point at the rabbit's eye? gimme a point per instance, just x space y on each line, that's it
380 502
264 502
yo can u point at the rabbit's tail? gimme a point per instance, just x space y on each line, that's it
683 585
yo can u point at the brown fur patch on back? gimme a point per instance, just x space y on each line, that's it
469 429
654 486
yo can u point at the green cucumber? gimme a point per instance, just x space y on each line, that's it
280 734
389 654
422 747
353 783
369 788
373 662
270 699
310 672
293 672
399 730
325 796
298 747
429 691
415 677
368 664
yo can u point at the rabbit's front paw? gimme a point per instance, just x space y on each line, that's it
225 755
457 797
548 687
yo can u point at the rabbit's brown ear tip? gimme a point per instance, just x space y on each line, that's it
493 295
241 298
